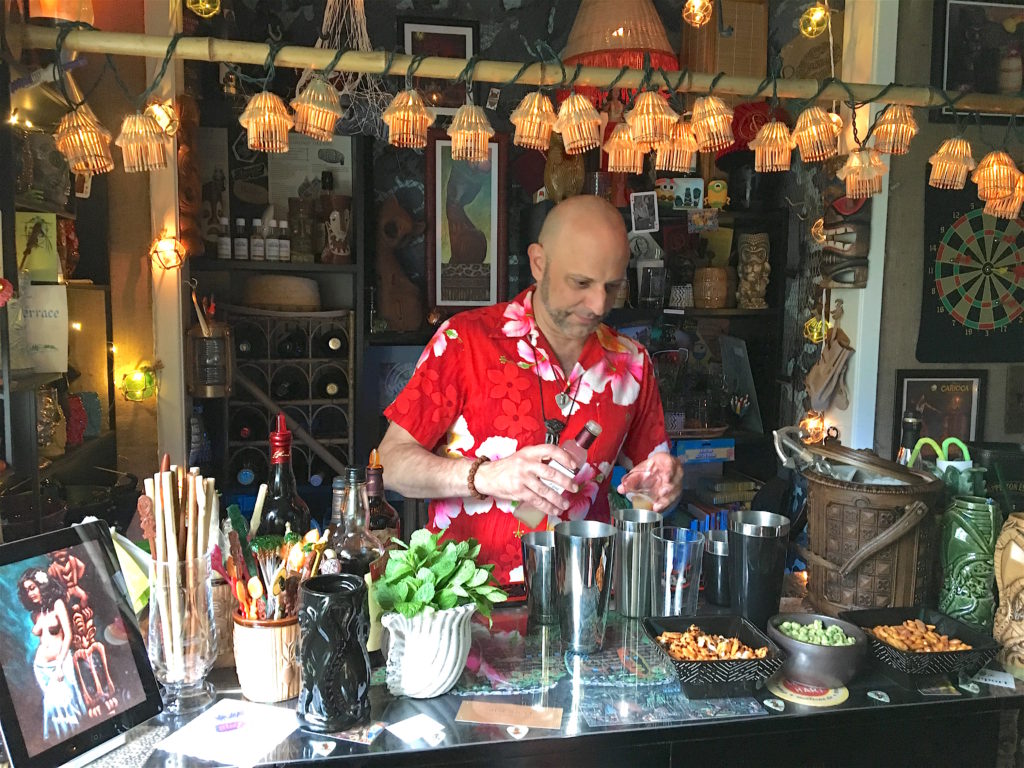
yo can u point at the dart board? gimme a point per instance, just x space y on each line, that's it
972 305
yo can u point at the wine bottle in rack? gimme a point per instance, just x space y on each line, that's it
248 468
250 342
248 424
289 383
331 342
319 473
292 344
330 383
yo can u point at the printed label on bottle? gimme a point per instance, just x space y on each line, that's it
280 455
284 251
242 248
256 252
223 247
561 468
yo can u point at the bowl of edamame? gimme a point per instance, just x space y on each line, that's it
820 651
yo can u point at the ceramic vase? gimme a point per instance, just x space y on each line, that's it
266 658
428 652
970 528
710 287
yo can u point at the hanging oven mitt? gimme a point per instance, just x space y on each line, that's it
825 381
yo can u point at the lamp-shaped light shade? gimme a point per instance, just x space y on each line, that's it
408 119
697 13
679 153
651 120
996 176
534 120
68 10
84 142
862 173
143 144
624 156
138 385
167 252
317 109
579 124
951 164
712 124
470 131
1007 207
773 148
267 122
894 130
815 135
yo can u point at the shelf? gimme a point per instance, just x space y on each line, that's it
22 382
401 338
338 401
725 215
79 463
280 361
205 264
724 312
29 205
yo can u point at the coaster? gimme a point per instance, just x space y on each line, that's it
808 695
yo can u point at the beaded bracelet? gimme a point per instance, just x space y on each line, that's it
471 478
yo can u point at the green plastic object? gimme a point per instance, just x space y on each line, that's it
970 528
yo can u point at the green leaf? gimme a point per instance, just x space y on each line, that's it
497 596
401 556
462 549
409 609
478 578
445 567
426 575
447 599
421 537
424 594
386 595
459 590
474 551
484 607
464 573
402 591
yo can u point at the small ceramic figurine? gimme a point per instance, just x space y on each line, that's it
1008 628
717 194
753 270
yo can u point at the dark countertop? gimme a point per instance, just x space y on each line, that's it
630 681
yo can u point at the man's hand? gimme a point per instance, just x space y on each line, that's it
519 476
660 477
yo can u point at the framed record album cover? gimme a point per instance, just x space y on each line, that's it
972 306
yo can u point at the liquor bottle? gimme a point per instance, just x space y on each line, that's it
911 433
224 239
289 383
247 473
331 343
350 508
292 344
319 473
241 241
248 467
273 242
383 516
575 447
283 505
330 383
250 342
257 243
285 237
248 424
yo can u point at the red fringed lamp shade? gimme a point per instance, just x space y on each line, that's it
613 33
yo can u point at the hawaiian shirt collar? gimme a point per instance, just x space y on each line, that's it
519 321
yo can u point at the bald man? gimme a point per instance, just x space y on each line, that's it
477 428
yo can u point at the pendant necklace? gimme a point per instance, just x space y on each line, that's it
553 427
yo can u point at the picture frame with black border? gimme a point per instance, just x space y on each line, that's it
643 209
452 38
938 397
60 585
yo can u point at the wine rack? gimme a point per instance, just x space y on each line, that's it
304 362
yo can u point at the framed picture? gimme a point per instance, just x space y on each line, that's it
950 402
977 46
454 40
644 208
467 244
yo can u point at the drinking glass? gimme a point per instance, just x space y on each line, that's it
182 633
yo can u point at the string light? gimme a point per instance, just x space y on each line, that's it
863 173
579 124
894 130
408 119
204 9
534 120
139 384
167 252
651 120
951 164
712 123
679 153
773 148
815 135
812 427
267 122
470 132
165 115
317 109
996 176
143 144
814 20
1007 207
624 156
697 13
84 142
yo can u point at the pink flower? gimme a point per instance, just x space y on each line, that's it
581 502
439 342
543 364
519 320
623 371
445 510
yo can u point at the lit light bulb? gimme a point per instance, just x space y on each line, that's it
697 13
814 20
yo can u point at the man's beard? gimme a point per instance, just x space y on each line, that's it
562 318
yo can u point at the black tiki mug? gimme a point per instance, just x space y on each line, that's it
333 626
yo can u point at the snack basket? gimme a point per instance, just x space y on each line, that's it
718 679
913 669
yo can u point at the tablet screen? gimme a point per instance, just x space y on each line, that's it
70 656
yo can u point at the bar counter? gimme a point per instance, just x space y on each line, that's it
624 706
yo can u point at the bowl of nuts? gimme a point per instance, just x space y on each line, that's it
820 651
918 646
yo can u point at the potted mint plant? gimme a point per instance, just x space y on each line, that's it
429 592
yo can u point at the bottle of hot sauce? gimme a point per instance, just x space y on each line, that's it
283 506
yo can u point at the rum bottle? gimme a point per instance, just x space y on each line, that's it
283 505
383 516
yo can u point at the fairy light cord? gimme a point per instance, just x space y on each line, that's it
545 50
714 82
65 28
329 69
171 46
413 66
466 76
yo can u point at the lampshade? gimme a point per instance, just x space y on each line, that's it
143 143
68 10
534 120
996 176
317 109
267 122
84 142
697 13
651 120
862 173
894 130
470 132
773 148
679 153
815 135
1007 207
951 164
712 124
579 124
624 156
408 119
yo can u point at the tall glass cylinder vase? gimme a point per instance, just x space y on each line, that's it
969 532
182 633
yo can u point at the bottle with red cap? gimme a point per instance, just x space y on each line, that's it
283 505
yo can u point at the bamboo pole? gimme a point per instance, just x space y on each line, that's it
373 62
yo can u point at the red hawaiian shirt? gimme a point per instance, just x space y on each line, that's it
477 391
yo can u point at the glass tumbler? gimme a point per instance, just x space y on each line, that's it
182 633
